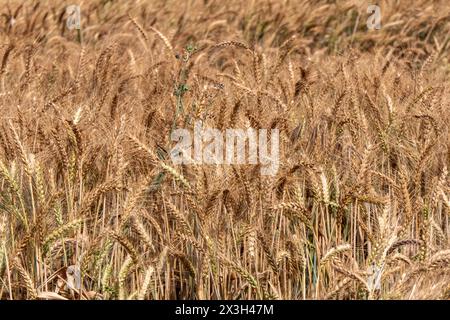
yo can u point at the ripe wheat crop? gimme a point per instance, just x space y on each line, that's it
92 207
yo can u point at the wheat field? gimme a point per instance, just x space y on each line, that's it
92 207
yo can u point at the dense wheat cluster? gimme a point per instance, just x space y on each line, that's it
92 207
